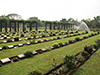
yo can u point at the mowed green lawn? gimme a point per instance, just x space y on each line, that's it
43 62
20 50
92 66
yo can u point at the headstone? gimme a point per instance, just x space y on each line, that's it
44 49
4 41
0 48
5 60
52 47
20 45
28 43
21 56
10 46
34 52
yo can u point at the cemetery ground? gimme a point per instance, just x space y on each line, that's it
42 62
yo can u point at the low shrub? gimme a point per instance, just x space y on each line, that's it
35 72
55 45
77 39
60 33
84 37
86 32
58 37
5 37
32 41
70 61
71 32
44 40
54 34
34 36
70 41
28 54
29 38
95 45
9 40
50 34
92 34
16 39
80 58
89 49
4 47
22 35
76 32
84 54
60 44
43 35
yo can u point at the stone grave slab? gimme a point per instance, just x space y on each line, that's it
11 46
44 49
21 56
20 45
34 52
6 60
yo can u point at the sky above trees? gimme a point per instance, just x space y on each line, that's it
51 9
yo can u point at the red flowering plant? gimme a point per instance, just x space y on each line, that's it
54 62
9 40
44 40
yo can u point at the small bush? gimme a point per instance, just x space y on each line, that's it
80 58
44 40
34 36
54 34
4 47
22 35
86 32
28 54
95 46
89 49
77 39
76 32
60 44
84 54
70 61
16 39
58 37
29 38
60 33
32 41
9 40
84 37
43 35
55 45
92 34
35 72
70 41
5 37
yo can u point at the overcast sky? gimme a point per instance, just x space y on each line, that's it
51 9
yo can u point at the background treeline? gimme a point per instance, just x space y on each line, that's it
94 23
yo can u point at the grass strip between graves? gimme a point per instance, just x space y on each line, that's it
43 62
